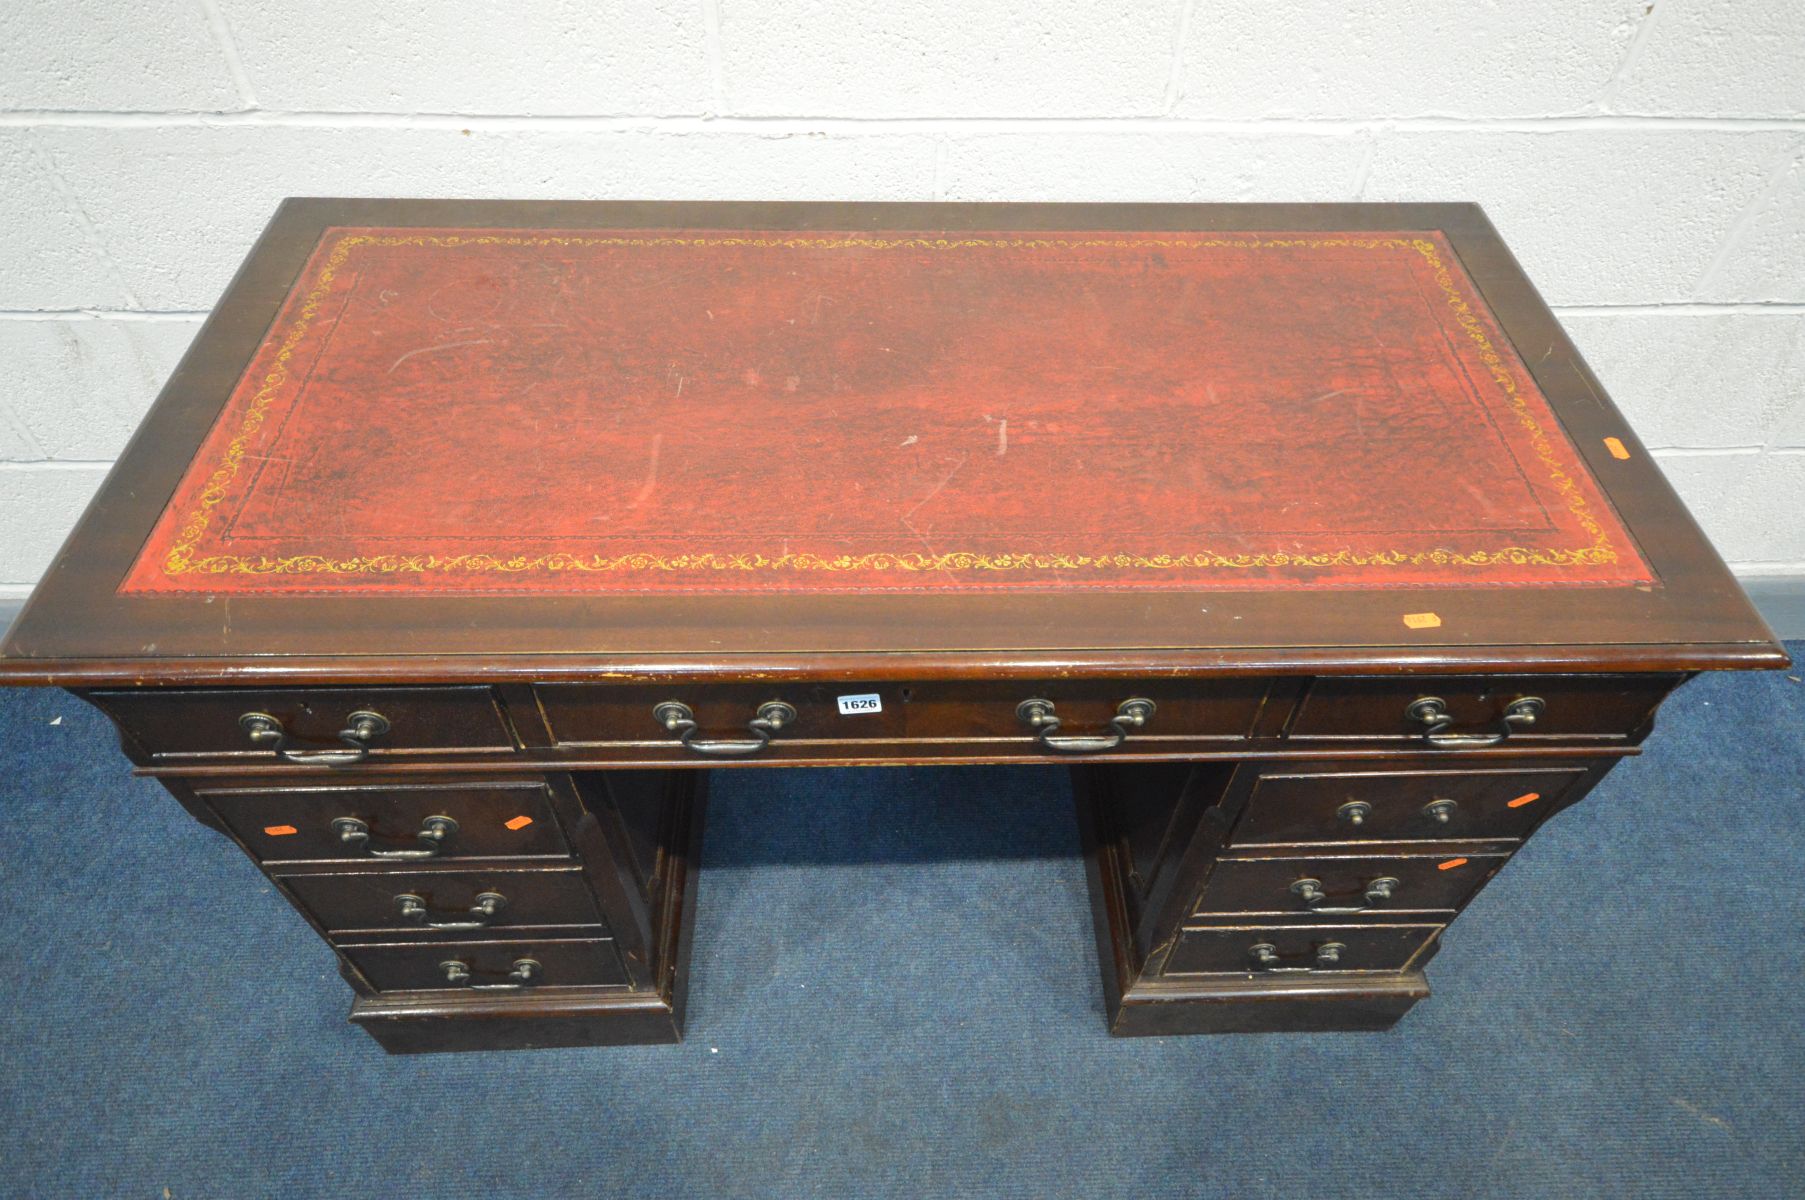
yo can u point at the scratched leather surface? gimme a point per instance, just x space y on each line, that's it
574 411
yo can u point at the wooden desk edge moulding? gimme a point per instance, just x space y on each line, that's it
470 536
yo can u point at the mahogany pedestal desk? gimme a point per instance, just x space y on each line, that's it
469 536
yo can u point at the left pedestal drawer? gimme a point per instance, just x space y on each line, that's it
497 968
396 824
469 903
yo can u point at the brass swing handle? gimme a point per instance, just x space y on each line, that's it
525 974
1378 891
1266 957
772 716
354 833
1432 713
1039 716
360 730
488 906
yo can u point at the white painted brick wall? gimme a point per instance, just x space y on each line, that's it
148 55
76 388
1646 161
1334 60
953 59
545 57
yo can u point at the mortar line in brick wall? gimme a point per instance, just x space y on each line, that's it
789 124
1368 156
1706 451
55 464
101 314
1683 308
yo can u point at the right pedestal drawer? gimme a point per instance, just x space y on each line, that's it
1290 951
1351 802
1328 885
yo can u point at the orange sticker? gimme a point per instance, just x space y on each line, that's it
1525 798
1616 447
520 822
1451 864
1421 620
280 830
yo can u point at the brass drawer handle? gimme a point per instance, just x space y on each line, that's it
1039 716
360 730
525 974
488 906
1265 956
1432 713
1355 812
1378 891
772 716
1440 811
434 833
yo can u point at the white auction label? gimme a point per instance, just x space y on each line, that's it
860 704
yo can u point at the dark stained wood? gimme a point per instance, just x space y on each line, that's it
1308 802
1425 883
1208 890
435 1022
932 710
1275 708
363 902
1584 706
1360 1003
263 818
419 966
78 629
1227 949
193 724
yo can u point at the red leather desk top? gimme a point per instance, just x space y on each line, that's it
442 410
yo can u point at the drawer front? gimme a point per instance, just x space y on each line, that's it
490 820
1339 885
979 712
494 967
1476 707
1291 951
175 724
1374 806
448 901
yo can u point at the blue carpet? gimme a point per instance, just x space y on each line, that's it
897 995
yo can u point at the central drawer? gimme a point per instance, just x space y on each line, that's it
987 714
396 824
